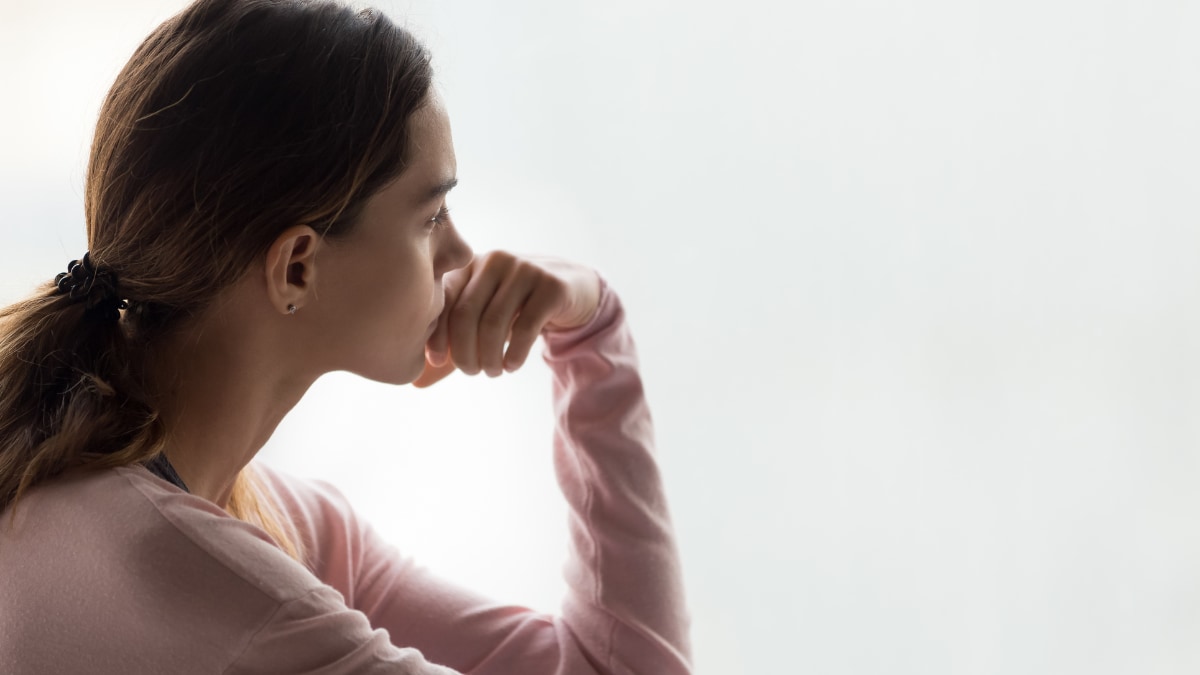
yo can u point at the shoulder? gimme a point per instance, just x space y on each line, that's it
336 539
132 520
121 564
217 539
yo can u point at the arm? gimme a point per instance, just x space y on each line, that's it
624 612
316 632
624 574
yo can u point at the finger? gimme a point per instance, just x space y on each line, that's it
465 316
434 373
537 310
499 317
438 345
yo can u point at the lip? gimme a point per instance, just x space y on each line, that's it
436 315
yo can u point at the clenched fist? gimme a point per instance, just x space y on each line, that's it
501 298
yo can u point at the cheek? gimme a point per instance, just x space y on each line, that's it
413 290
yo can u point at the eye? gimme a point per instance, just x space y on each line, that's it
441 219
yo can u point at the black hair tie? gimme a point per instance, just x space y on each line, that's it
96 286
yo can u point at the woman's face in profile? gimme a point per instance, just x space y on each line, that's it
379 290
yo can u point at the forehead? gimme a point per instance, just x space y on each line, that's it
430 148
431 164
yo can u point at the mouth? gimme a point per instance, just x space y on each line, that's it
436 315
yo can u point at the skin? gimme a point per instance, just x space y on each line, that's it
402 299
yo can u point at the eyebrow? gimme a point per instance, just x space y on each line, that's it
442 188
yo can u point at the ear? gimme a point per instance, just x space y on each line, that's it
291 267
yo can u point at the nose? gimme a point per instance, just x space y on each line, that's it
453 251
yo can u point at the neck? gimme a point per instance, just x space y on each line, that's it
220 394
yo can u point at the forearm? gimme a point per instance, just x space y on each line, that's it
624 612
624 576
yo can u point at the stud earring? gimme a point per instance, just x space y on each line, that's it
291 309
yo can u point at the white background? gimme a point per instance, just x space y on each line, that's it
913 285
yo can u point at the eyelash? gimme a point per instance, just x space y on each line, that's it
441 219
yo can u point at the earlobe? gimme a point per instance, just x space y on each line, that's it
290 268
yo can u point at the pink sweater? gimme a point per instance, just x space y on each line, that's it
122 572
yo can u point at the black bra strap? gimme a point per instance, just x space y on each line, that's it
159 466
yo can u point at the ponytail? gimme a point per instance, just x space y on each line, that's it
73 399
69 395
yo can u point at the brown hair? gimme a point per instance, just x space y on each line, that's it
233 120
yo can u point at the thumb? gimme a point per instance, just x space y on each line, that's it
437 349
433 374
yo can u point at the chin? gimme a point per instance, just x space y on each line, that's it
396 372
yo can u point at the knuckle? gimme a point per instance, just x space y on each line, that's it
528 268
526 328
462 311
491 322
498 259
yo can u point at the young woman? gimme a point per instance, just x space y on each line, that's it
265 203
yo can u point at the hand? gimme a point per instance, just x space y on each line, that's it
497 298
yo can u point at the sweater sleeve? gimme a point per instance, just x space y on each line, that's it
624 576
624 611
317 633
